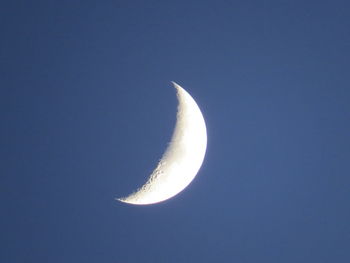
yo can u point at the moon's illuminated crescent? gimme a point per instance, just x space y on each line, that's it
182 159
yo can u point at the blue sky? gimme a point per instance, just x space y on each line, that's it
87 109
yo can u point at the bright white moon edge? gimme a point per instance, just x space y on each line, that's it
182 159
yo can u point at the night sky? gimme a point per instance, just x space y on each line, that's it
87 108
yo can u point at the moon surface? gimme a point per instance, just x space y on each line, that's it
181 160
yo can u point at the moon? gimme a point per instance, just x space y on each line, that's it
182 159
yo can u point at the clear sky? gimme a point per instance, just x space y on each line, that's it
87 109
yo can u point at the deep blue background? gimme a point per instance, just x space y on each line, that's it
87 109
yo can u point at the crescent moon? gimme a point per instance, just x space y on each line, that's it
182 159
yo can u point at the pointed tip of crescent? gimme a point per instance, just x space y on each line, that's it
177 86
123 200
179 89
133 202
